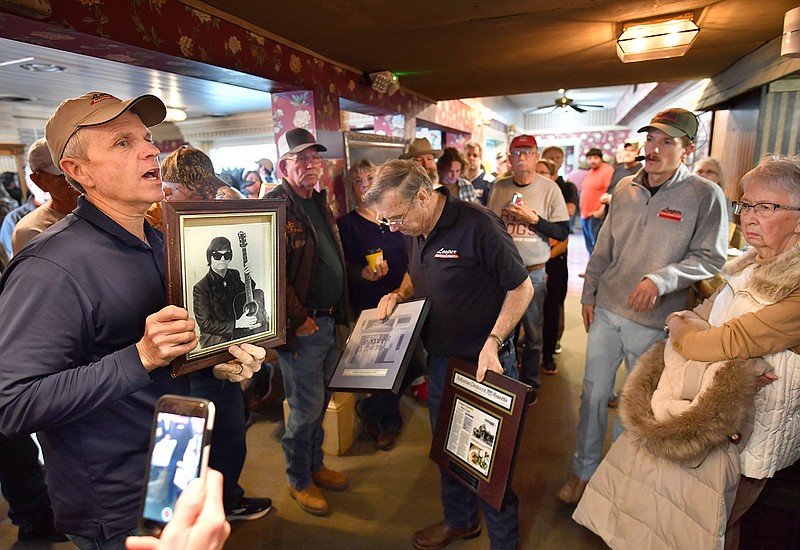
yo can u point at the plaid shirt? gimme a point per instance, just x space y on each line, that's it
466 192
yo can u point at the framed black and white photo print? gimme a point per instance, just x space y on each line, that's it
226 266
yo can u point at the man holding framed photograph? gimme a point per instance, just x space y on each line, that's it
90 293
316 301
464 261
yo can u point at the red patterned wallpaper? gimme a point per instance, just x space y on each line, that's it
169 35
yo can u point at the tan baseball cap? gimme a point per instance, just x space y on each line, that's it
39 158
95 108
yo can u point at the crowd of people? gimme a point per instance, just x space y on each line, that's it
652 227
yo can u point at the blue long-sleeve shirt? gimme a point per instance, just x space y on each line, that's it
73 303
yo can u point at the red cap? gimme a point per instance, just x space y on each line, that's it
524 141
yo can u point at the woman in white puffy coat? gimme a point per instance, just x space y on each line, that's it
755 314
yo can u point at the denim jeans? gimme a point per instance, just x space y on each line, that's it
591 228
612 338
532 322
228 440
114 543
459 503
306 372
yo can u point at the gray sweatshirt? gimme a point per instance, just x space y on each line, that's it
674 238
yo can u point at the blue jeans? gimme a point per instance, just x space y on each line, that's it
306 372
228 440
114 543
591 228
612 338
459 503
532 322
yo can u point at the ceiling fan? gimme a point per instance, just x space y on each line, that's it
562 102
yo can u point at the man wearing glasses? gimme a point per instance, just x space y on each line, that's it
462 260
533 210
316 300
667 229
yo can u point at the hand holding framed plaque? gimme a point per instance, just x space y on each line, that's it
479 428
377 353
225 265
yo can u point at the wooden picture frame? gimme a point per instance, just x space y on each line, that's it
479 428
206 238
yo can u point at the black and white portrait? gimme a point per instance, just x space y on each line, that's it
229 282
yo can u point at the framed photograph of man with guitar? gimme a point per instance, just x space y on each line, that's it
226 266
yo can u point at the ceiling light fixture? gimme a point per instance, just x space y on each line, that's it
43 67
657 38
175 115
384 82
790 42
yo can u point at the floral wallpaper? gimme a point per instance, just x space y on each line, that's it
169 35
292 110
390 125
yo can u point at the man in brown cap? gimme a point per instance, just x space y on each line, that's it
95 285
666 230
423 152
316 301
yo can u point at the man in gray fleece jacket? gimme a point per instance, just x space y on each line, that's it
666 229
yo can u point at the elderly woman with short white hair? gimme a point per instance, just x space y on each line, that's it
726 388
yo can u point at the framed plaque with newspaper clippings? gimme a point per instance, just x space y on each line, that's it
478 429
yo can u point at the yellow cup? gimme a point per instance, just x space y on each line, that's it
374 256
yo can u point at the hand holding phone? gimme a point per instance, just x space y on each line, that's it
179 447
199 522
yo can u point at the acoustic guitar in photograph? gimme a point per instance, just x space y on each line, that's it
251 301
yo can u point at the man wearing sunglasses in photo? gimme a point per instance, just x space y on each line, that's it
214 297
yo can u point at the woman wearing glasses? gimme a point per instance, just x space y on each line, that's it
363 234
732 358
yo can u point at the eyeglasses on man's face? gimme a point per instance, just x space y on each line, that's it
761 209
519 153
396 221
308 158
219 255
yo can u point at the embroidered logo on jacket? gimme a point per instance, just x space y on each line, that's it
447 253
669 214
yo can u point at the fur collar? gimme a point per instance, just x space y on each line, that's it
722 411
773 281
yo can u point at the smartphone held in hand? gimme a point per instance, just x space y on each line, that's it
517 198
180 443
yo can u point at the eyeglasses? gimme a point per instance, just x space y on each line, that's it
397 221
306 159
228 255
519 153
761 209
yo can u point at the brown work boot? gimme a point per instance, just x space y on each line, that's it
311 500
440 535
330 480
572 491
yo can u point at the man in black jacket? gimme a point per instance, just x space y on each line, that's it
316 299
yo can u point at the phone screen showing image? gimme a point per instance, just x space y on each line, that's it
177 457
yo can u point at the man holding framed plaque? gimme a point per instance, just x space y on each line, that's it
463 260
